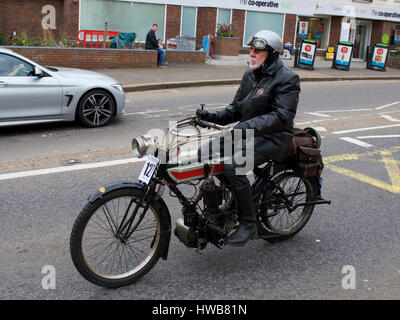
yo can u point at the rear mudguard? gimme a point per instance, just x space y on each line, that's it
158 204
260 182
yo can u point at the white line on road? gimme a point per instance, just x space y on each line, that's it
345 110
318 114
390 118
381 136
357 142
387 105
366 129
30 173
320 129
314 121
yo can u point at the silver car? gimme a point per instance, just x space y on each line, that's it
31 93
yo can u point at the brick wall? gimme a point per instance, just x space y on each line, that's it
238 17
70 22
393 63
226 46
379 28
104 58
290 28
173 56
26 15
206 24
173 22
336 24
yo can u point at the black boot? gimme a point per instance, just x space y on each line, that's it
246 214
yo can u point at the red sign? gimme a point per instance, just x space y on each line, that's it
307 48
344 49
379 51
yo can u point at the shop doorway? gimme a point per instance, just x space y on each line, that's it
360 37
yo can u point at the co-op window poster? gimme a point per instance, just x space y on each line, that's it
396 39
303 29
307 53
379 57
343 55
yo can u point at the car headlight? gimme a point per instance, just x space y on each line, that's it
144 145
118 86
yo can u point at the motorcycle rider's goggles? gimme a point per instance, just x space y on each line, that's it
257 43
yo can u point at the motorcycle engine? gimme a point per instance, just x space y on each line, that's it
212 195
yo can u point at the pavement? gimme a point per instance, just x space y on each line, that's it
230 71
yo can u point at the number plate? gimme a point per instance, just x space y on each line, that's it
148 169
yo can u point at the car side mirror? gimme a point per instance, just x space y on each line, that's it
38 72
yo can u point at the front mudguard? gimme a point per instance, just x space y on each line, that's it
157 203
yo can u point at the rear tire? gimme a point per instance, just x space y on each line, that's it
274 218
97 252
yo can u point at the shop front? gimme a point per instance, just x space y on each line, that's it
360 24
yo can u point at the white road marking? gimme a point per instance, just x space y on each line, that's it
318 114
320 129
381 136
346 110
357 142
390 118
366 129
314 121
30 173
387 105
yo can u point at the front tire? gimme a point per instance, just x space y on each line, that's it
96 248
96 108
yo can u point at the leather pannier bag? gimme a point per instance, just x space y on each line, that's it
308 159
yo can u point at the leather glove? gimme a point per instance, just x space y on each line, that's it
204 115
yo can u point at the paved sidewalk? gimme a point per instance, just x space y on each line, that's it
230 71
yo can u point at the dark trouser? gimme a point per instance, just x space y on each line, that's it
238 162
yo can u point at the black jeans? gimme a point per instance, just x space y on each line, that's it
242 157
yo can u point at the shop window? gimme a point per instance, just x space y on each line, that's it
188 21
224 17
312 28
256 21
123 17
395 40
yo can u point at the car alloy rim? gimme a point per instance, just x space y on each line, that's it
97 109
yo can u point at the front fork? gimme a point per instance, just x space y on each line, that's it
125 229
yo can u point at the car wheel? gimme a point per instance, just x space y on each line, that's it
96 109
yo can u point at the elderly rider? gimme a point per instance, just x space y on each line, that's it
266 102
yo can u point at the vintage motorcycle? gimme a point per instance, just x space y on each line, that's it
126 227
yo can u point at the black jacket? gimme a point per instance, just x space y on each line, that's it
266 101
151 41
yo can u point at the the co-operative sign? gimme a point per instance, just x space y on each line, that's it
268 4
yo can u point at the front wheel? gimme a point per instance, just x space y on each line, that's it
282 211
97 247
96 109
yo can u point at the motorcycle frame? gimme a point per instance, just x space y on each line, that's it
264 179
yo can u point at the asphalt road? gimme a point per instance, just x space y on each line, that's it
360 125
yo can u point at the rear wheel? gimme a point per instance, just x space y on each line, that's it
96 245
281 211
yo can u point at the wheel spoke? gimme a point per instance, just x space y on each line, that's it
92 100
105 112
103 101
88 112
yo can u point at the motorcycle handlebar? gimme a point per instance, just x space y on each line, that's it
196 121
